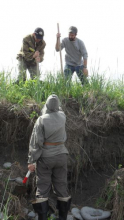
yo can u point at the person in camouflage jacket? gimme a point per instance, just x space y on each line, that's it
31 54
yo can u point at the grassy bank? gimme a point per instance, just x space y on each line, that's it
97 92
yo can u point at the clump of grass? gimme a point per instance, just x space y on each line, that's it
4 208
112 197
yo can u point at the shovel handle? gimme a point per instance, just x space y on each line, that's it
60 51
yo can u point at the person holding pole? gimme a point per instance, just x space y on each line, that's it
31 54
76 54
47 149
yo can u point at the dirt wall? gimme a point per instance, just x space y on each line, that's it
95 143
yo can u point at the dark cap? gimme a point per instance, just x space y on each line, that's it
73 30
39 32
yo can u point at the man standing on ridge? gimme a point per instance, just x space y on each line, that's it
48 151
31 54
76 54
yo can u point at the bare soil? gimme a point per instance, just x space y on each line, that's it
95 143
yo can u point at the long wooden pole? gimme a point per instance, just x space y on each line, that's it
60 50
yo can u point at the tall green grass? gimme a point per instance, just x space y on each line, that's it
4 208
91 94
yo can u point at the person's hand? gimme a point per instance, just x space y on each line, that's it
37 59
31 167
85 72
36 54
58 35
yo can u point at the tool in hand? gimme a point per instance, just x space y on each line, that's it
26 177
60 50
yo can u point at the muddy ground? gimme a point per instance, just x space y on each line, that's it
95 143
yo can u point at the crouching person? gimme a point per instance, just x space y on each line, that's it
47 150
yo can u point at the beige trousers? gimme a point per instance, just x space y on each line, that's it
23 66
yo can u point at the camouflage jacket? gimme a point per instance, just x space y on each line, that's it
29 46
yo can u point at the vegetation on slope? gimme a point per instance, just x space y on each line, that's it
94 93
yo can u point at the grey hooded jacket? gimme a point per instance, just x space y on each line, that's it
50 127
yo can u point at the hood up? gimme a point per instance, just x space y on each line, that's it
52 104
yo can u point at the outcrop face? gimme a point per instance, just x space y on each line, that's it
95 143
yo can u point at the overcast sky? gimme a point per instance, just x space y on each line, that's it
100 25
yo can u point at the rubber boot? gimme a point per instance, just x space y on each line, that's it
42 217
63 207
41 209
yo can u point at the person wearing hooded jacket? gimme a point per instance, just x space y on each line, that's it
47 150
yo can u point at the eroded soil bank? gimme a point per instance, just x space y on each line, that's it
95 143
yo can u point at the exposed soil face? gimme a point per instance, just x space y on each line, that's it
95 143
